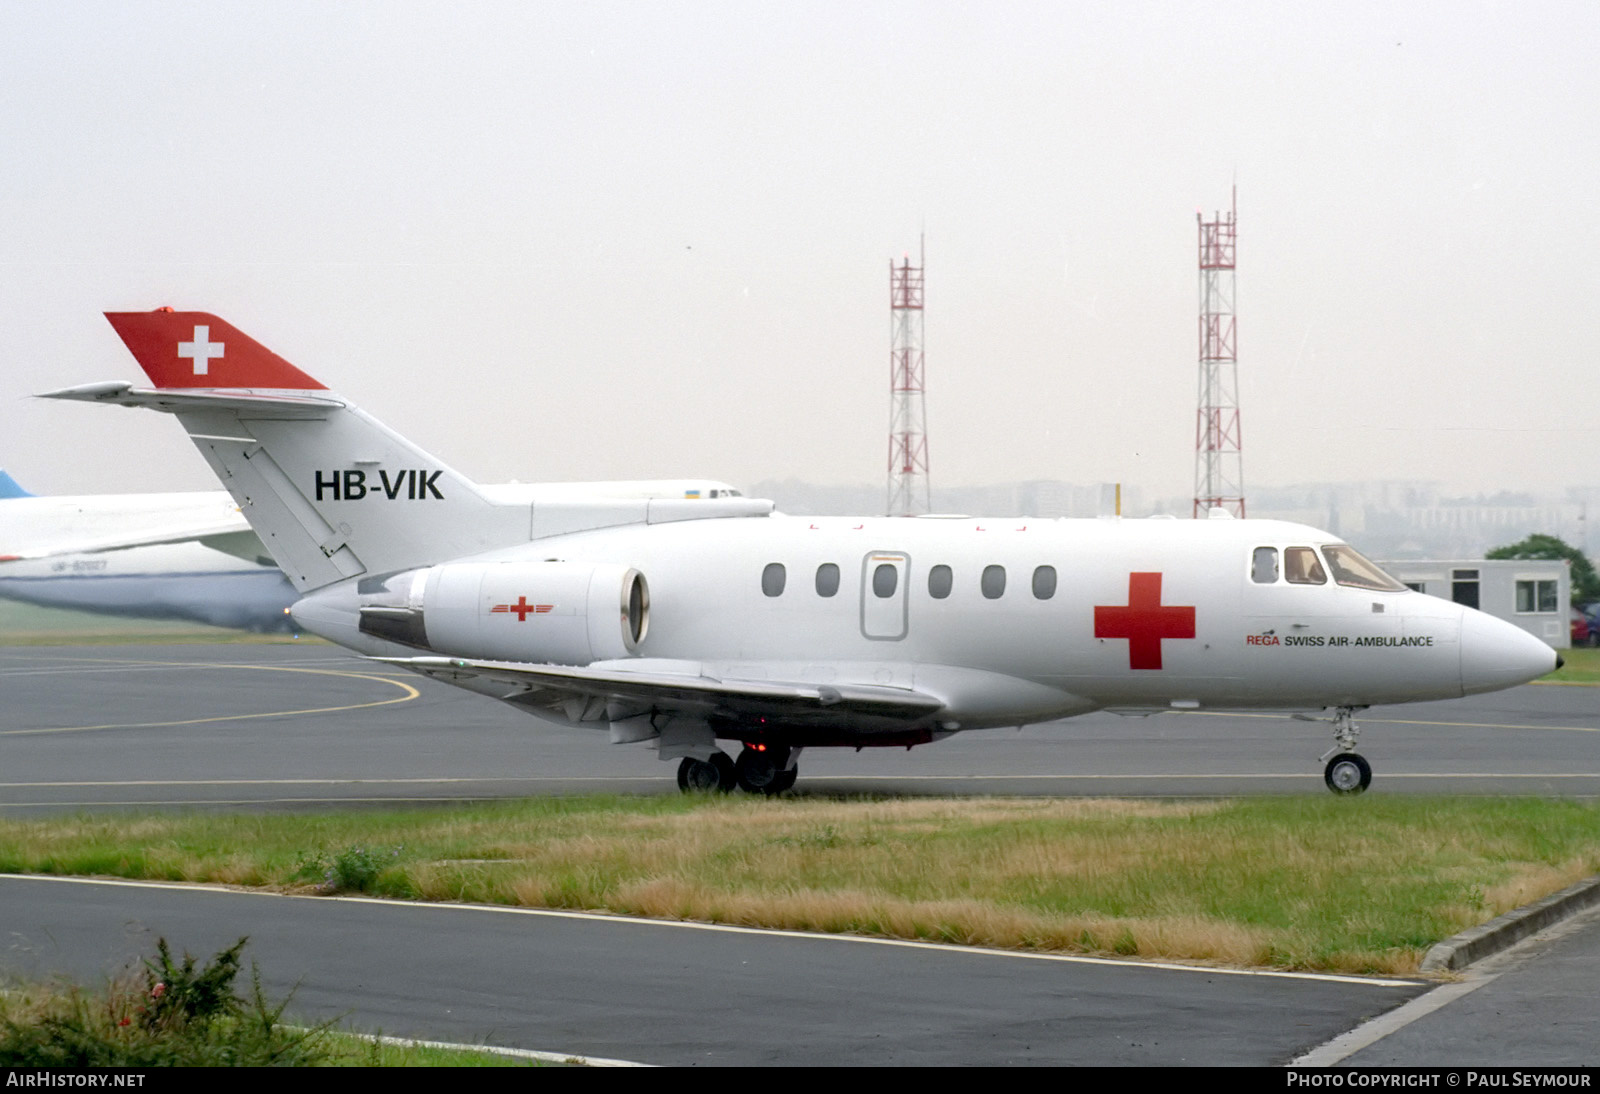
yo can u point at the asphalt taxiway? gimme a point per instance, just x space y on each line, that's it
306 724
672 993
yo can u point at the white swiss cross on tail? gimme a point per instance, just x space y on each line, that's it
201 350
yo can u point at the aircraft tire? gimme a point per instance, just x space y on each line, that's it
704 776
726 780
785 780
756 772
1347 773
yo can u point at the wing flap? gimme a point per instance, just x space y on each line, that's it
685 689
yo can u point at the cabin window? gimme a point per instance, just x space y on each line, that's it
772 579
1301 567
1044 582
827 579
884 580
993 582
1264 566
1536 596
939 582
1350 567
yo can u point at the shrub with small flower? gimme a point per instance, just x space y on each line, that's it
173 1014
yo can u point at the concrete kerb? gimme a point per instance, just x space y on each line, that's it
1507 930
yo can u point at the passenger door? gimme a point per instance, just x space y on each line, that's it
885 580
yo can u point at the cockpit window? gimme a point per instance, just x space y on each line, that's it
1264 566
1350 567
1301 567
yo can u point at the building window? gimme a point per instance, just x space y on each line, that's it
772 579
1044 582
993 582
939 582
827 579
1536 596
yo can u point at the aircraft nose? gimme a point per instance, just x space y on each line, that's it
1495 654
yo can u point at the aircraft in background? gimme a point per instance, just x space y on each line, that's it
688 624
192 555
188 556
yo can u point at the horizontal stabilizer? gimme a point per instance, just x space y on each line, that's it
121 393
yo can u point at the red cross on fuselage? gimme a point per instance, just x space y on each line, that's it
1144 622
522 608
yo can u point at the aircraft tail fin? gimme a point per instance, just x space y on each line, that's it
10 488
332 492
191 349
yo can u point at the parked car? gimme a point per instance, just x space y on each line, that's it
1585 628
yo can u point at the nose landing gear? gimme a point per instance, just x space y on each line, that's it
1346 772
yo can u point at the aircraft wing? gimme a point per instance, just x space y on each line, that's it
229 532
624 688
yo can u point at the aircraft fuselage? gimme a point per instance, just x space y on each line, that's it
1006 621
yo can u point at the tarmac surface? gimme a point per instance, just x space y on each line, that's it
663 993
307 726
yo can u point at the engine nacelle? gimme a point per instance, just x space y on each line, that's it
562 613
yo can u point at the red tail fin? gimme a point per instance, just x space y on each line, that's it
194 349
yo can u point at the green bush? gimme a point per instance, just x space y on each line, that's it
171 1015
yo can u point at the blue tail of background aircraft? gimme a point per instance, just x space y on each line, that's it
10 489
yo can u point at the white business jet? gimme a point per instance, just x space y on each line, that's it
691 623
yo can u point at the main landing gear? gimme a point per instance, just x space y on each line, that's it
1347 771
760 769
706 775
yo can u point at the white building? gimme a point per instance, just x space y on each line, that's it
1535 594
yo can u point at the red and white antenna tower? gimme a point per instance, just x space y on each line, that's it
908 425
1218 444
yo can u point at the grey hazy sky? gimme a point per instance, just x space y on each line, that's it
555 241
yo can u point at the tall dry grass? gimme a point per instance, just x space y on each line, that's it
1364 885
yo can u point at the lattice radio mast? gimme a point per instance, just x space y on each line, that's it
909 492
1218 444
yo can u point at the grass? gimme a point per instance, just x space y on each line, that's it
1352 885
170 1013
1582 667
355 1050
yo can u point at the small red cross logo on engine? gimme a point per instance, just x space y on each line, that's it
522 609
1144 622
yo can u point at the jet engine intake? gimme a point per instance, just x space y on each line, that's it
559 613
